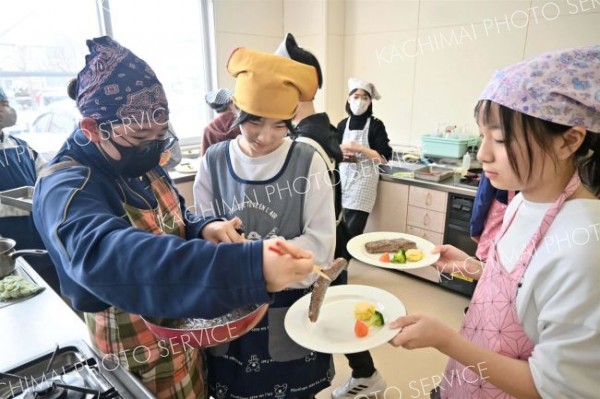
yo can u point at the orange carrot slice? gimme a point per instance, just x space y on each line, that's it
361 329
385 257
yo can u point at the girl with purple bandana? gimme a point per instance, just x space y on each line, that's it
532 328
123 241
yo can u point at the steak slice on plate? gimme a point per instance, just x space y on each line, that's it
389 245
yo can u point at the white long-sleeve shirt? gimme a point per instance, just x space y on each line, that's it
558 303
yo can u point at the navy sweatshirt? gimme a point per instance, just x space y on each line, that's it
103 261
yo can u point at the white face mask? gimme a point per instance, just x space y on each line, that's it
358 106
8 116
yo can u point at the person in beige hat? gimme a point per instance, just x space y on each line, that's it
316 130
277 187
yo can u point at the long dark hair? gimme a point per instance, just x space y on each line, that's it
244 117
587 156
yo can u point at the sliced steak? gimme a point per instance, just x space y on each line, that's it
321 285
393 245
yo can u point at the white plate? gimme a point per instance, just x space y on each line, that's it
186 168
356 247
333 332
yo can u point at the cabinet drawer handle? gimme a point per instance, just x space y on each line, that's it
428 198
426 219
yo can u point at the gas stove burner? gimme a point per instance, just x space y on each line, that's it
46 390
69 372
65 387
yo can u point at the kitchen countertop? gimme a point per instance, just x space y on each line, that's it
35 325
178 177
445 185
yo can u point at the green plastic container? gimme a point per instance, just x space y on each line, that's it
447 147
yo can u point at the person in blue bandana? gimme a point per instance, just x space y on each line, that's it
122 239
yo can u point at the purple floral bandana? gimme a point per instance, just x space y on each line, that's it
559 86
116 86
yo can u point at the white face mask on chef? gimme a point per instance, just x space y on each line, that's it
8 116
358 106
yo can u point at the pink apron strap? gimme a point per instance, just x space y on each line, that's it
528 252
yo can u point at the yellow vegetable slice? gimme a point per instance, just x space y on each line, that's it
364 311
414 255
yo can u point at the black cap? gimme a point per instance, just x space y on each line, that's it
290 49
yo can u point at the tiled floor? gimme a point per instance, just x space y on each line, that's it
409 374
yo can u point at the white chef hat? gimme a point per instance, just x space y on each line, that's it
355 83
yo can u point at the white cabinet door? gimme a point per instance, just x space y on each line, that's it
389 213
426 219
428 198
436 238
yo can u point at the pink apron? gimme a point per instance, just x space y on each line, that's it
492 225
492 321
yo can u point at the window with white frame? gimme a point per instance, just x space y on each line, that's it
42 47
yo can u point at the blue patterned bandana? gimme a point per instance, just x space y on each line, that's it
116 86
559 86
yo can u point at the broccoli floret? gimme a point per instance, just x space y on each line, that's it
399 257
376 320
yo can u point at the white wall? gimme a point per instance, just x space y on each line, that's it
430 59
257 24
261 24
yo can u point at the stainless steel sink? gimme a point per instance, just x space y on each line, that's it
405 168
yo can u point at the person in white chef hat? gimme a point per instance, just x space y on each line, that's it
365 144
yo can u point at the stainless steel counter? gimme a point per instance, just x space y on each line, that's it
445 185
178 177
34 325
